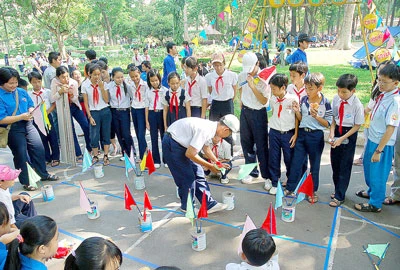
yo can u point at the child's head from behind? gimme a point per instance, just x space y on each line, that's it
146 66
95 253
314 83
346 85
8 176
279 83
174 81
154 79
35 78
258 247
250 63
388 77
4 219
298 71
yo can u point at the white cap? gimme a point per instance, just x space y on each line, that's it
249 61
232 122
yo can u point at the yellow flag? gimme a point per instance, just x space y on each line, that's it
143 163
195 41
45 116
228 9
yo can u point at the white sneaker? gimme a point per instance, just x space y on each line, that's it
165 165
121 159
247 180
217 207
267 185
157 166
224 180
273 191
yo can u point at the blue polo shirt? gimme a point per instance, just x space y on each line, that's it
31 264
7 102
168 67
324 111
298 56
3 255
264 45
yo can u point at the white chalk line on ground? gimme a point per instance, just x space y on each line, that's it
363 221
334 239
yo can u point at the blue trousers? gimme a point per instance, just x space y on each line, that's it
377 173
23 211
220 108
187 174
50 139
254 131
156 125
139 123
24 140
83 122
103 126
311 143
279 142
121 120
342 162
195 111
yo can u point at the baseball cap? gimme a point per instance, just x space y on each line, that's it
304 37
249 61
232 122
8 174
217 57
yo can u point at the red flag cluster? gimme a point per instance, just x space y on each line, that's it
270 221
129 201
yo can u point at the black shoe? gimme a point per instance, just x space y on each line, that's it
51 178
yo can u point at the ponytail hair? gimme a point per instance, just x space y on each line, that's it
92 254
35 231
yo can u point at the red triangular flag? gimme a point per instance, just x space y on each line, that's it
150 162
128 199
146 204
307 187
270 221
203 209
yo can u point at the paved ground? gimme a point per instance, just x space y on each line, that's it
321 237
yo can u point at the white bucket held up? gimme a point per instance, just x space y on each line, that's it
95 211
199 241
47 193
98 171
139 182
146 226
288 212
229 199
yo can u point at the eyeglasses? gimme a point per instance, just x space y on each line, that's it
382 82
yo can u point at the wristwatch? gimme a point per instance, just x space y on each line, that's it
378 151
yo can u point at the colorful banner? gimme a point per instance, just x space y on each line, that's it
376 38
222 16
228 9
235 4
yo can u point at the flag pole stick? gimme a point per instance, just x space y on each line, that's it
370 258
383 255
80 183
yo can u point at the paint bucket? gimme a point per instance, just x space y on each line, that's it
98 171
139 182
199 241
95 211
288 212
146 226
229 199
47 193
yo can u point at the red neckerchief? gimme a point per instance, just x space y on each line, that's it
299 92
280 100
174 102
38 96
191 86
378 102
118 93
220 79
137 93
96 96
156 98
341 114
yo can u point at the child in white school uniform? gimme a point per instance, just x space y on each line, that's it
283 128
222 151
196 86
154 113
298 72
139 94
348 116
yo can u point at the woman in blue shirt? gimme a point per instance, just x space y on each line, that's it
23 138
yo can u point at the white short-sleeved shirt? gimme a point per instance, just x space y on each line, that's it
371 104
353 111
248 98
146 58
42 95
139 94
221 150
287 119
178 95
137 60
5 197
120 102
193 131
87 88
225 90
385 113
300 93
199 90
48 75
151 99
270 265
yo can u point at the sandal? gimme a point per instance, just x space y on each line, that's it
79 159
333 195
362 194
313 199
289 193
95 159
106 161
365 207
390 201
335 203
29 188
358 162
51 178
55 163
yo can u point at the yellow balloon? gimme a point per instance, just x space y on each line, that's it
370 21
382 55
252 25
247 40
240 55
376 38
276 3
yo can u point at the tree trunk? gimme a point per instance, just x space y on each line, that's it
389 5
306 24
185 23
108 27
6 32
293 23
344 38
61 45
393 12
